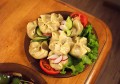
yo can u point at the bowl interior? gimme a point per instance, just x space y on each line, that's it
27 72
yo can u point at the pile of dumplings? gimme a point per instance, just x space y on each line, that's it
52 39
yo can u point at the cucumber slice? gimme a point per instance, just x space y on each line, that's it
68 32
39 32
69 22
42 38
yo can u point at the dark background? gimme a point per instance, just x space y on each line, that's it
110 14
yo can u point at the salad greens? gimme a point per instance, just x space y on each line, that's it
77 65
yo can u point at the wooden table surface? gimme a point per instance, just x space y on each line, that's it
14 16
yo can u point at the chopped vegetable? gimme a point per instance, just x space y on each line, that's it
83 18
92 42
39 33
16 81
4 79
47 68
40 38
69 22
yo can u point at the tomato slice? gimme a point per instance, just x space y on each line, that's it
83 18
44 64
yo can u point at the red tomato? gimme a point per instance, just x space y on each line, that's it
47 34
83 18
44 64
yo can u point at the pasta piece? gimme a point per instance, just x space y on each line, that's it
38 50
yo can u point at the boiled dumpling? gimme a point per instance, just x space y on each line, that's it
80 47
56 17
31 27
45 18
77 27
38 50
49 23
57 66
61 44
55 36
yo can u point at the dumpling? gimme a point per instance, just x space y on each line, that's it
55 46
49 23
77 27
61 44
80 47
57 66
56 17
55 36
65 48
45 18
38 50
31 27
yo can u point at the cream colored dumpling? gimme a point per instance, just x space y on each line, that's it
45 18
56 17
38 50
57 66
80 47
77 27
49 23
55 36
31 27
60 44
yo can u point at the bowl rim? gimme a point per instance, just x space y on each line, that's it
18 68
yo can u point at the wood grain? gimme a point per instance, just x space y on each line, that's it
14 16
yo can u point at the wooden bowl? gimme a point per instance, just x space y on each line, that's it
29 73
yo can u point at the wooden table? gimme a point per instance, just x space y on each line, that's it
14 16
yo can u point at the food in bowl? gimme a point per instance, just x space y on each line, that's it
62 44
14 78
12 73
